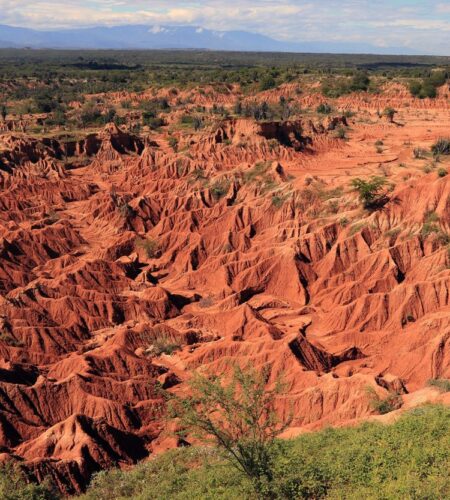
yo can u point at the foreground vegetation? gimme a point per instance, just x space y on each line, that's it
239 454
408 459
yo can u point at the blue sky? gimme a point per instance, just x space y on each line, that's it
419 24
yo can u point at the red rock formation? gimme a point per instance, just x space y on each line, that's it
250 249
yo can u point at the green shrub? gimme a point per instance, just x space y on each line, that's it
341 133
384 405
278 200
370 192
438 78
442 384
164 345
15 486
193 121
151 120
220 188
389 113
257 172
267 83
324 109
427 88
415 88
442 172
360 82
441 147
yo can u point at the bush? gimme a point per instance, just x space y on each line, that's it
154 122
324 109
3 111
360 82
389 113
150 246
419 153
442 384
195 122
369 191
442 172
415 88
267 83
278 200
164 345
382 406
427 88
441 147
341 133
45 103
220 188
15 486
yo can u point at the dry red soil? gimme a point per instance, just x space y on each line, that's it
128 245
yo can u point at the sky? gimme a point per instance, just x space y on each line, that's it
423 25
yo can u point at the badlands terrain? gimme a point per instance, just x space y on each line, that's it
131 258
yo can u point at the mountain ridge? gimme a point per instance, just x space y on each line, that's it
144 37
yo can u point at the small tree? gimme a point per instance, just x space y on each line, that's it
240 418
369 191
390 113
267 83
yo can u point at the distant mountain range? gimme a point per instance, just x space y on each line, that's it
172 37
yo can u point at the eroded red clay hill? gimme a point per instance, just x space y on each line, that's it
247 246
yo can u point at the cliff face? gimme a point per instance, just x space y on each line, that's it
248 246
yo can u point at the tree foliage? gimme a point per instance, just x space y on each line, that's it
15 486
370 192
240 418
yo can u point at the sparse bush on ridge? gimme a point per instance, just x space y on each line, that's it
163 345
220 188
267 83
370 192
149 245
324 109
442 384
384 405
